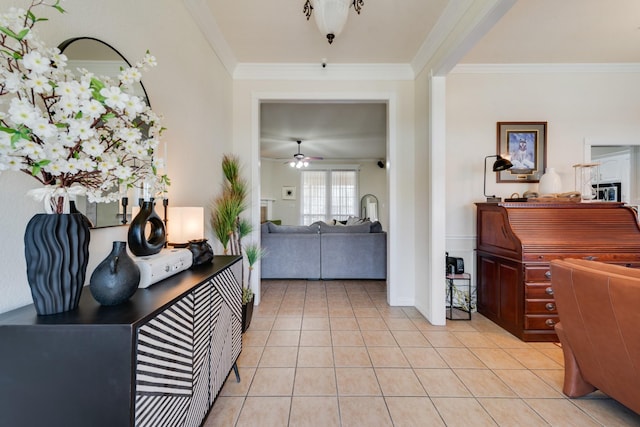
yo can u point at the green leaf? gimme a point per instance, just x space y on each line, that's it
37 167
7 130
107 116
9 33
31 16
96 86
78 115
23 33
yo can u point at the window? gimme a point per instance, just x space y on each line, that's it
329 194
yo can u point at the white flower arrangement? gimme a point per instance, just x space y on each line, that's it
75 135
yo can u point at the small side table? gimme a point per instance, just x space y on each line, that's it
458 296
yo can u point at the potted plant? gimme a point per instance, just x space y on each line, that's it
230 228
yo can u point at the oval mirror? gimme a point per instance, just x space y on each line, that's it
101 59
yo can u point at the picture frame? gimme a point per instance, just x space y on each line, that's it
610 192
525 145
288 193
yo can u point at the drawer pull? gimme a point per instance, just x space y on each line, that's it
550 306
549 290
547 274
550 323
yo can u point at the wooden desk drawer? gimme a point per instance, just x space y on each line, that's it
538 291
540 306
537 274
537 321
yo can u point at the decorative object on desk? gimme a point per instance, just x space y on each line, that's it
253 252
584 174
202 252
184 224
526 145
550 182
499 165
56 248
116 278
139 244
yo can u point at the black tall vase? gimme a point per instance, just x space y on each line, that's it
116 278
139 244
56 249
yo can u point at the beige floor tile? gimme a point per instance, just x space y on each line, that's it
426 357
225 412
484 383
496 358
442 339
277 414
316 311
561 412
460 358
527 384
505 340
315 338
413 412
533 359
411 312
364 411
474 339
460 325
424 325
400 324
266 308
314 411
341 311
346 338
344 324
272 382
366 312
379 339
232 387
253 338
391 312
441 383
387 357
372 324
250 356
315 323
351 357
283 338
399 382
462 412
357 382
287 324
554 354
512 412
553 377
262 323
410 339
608 412
294 309
315 357
279 357
315 382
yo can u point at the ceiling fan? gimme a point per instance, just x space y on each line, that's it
300 160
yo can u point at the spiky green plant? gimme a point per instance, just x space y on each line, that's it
253 252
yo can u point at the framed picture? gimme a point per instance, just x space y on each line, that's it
525 144
288 193
608 192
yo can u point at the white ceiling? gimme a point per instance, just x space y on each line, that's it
400 32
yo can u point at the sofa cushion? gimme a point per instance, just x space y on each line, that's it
360 228
376 227
353 220
308 229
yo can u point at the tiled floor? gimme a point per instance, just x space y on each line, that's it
335 354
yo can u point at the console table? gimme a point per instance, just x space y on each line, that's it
159 359
516 242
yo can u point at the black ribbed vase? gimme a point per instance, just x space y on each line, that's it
116 278
137 239
56 249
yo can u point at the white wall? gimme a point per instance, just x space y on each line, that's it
274 175
577 106
189 88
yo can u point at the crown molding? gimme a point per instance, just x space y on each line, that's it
207 24
631 67
294 71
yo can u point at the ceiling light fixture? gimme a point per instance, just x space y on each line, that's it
331 15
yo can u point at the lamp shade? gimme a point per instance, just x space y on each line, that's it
502 164
184 224
331 15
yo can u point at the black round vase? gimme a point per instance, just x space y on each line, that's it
139 244
201 251
116 278
56 249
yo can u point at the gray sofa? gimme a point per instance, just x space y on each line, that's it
322 251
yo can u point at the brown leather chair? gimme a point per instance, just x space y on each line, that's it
599 309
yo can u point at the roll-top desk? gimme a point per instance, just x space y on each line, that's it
516 242
159 359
